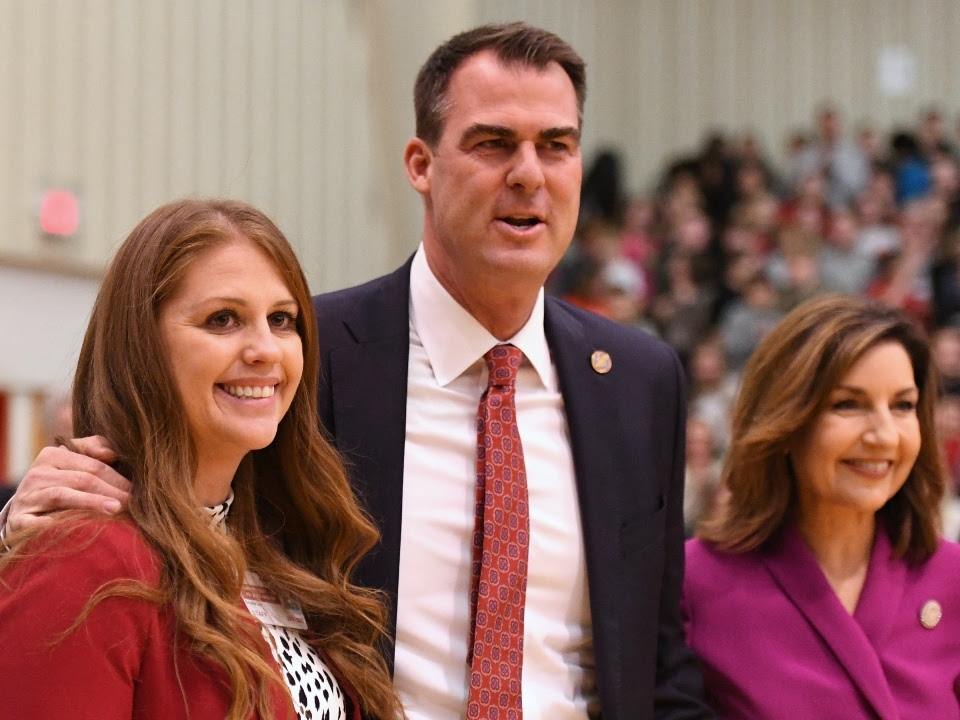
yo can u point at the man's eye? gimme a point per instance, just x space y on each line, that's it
492 144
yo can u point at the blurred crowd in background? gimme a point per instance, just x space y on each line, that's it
728 243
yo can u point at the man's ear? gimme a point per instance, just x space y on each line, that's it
417 159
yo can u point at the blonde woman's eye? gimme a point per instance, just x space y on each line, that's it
283 320
222 320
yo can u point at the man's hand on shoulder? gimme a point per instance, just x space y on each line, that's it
63 480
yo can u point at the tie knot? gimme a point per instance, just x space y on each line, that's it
503 361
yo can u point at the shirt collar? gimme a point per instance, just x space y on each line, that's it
218 513
452 338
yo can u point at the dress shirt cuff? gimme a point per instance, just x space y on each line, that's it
3 525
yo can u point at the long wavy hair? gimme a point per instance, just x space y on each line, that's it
294 520
785 385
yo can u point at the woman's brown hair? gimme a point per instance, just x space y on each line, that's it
785 385
294 520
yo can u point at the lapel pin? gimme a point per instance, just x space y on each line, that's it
601 362
930 614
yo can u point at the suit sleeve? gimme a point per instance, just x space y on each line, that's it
679 684
90 672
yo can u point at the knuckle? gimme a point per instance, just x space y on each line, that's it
47 456
89 465
58 498
55 495
44 453
84 481
60 453
35 478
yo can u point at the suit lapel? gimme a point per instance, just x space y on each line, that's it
590 403
882 592
368 383
795 570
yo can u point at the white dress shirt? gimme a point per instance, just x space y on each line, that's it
446 377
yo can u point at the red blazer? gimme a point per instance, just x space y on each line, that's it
122 661
774 640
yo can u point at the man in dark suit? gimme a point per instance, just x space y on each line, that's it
599 409
497 161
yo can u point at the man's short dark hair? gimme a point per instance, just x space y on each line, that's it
513 44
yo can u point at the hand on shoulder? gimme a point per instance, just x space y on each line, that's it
60 479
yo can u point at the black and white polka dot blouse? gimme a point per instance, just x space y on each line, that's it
315 691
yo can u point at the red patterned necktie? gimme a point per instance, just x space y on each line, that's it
500 541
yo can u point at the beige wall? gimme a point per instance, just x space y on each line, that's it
135 102
303 106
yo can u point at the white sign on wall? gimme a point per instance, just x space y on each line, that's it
896 71
43 317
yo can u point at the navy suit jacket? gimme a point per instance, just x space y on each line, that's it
626 432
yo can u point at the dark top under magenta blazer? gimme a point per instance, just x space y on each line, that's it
775 642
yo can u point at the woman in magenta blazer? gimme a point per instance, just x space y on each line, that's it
821 588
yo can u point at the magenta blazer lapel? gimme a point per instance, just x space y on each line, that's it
882 593
795 570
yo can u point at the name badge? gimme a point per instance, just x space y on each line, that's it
265 605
